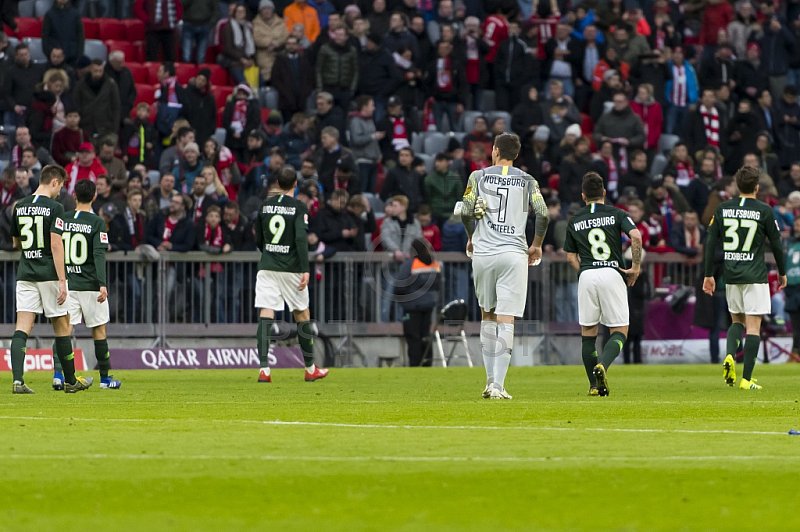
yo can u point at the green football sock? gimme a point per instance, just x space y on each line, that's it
67 357
56 362
612 348
735 332
589 355
306 331
751 343
103 356
263 336
18 348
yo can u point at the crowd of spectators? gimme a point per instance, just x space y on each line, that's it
664 99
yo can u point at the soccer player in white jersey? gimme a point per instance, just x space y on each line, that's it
494 212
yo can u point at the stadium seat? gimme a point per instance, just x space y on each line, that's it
37 53
468 119
268 97
41 7
659 163
435 142
219 76
95 49
134 29
220 135
145 93
29 28
488 101
130 49
90 29
418 141
428 159
27 8
139 72
185 72
221 96
666 143
459 136
152 72
493 115
265 114
110 29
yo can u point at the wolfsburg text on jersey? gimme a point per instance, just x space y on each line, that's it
278 209
32 210
741 213
504 181
70 227
594 222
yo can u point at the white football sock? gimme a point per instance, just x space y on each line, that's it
265 371
311 369
505 343
489 348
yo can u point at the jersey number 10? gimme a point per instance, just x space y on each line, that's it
75 248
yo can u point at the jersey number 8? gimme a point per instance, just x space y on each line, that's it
600 248
75 249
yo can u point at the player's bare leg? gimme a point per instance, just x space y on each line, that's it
266 328
610 352
488 347
751 344
732 345
502 359
18 347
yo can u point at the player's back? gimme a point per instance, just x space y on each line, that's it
743 225
594 233
508 193
83 233
281 221
34 217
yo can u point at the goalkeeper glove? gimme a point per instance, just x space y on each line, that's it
480 208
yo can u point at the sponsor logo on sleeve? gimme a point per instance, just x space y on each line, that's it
104 238
59 224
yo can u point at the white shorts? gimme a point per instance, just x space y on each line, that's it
85 304
501 283
40 296
274 290
750 299
602 298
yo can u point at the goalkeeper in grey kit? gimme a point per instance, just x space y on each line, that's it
494 211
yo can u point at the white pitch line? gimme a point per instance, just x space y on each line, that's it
475 459
399 427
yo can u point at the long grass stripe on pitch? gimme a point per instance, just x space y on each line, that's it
400 427
500 459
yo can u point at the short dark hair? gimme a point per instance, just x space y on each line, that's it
362 101
214 208
409 150
182 132
169 67
747 179
85 190
441 156
97 62
507 145
104 177
287 177
424 209
592 186
108 141
29 149
280 152
636 153
232 205
21 46
51 172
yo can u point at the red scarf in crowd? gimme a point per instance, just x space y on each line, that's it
8 195
169 226
239 114
613 175
47 112
473 61
685 174
198 209
399 133
711 123
444 76
213 237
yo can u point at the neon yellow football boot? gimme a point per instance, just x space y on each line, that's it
729 370
749 385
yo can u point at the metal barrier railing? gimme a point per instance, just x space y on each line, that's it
197 294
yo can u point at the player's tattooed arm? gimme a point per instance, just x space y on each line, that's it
636 257
468 205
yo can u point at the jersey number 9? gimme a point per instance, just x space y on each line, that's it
277 225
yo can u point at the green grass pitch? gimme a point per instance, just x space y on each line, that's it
672 448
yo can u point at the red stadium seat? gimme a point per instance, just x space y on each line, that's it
29 27
110 29
219 76
134 29
145 93
140 74
90 29
152 71
184 72
219 116
221 95
130 50
265 114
